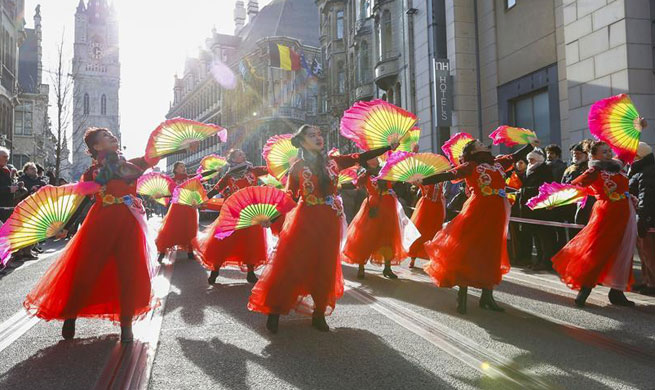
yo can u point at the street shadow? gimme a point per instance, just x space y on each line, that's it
72 364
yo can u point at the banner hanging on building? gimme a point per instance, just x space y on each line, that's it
442 92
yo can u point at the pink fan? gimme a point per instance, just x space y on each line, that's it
556 194
512 136
376 124
454 147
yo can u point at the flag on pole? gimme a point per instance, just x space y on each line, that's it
317 69
283 57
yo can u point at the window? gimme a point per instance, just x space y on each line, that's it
386 35
86 104
23 121
510 4
18 160
103 105
363 11
533 112
399 101
341 78
364 63
339 24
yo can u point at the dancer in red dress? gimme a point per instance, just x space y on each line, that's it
305 272
428 217
105 270
375 233
245 248
180 225
472 249
601 253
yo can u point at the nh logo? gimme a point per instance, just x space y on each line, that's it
439 65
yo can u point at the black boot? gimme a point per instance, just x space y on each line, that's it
212 277
487 301
160 259
617 297
583 294
251 277
387 272
126 334
318 322
68 330
189 255
272 323
461 299
361 274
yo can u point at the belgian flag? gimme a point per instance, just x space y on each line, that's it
283 57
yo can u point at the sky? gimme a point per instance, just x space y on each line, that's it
155 38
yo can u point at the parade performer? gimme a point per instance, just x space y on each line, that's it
472 249
601 253
245 248
180 225
305 273
428 217
105 270
376 233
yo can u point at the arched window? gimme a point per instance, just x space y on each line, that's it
386 35
103 105
86 104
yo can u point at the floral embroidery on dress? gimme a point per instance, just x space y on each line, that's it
610 186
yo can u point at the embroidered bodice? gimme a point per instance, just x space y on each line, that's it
606 185
229 184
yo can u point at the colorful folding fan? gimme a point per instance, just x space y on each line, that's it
176 134
42 215
190 193
252 206
512 136
410 140
348 175
157 186
214 204
271 181
376 124
557 194
279 154
454 147
334 152
212 162
615 120
409 167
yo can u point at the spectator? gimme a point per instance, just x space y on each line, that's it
7 185
537 174
52 180
642 185
31 178
554 161
61 181
518 248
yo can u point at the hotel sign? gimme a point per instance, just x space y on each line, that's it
442 90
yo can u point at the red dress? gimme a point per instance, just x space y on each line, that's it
305 273
105 270
244 247
471 250
179 226
378 238
601 253
428 217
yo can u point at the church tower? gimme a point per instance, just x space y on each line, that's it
96 75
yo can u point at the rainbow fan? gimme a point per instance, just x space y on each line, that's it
348 175
409 167
252 206
279 154
176 134
190 193
557 194
334 152
512 136
157 186
454 147
213 162
42 215
410 140
271 181
376 124
615 120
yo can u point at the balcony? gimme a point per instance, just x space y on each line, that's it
386 72
364 92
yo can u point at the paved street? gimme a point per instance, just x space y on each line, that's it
385 334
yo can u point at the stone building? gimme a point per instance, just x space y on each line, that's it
265 100
12 35
96 75
33 140
470 65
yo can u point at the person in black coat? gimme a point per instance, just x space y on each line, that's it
543 237
7 186
580 163
642 186
554 161
31 179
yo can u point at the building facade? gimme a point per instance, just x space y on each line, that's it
12 34
96 76
32 140
265 100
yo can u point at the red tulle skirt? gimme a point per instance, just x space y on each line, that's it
379 238
471 250
601 253
102 273
243 248
304 273
179 228
428 218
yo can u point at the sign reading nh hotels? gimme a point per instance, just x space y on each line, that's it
442 92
